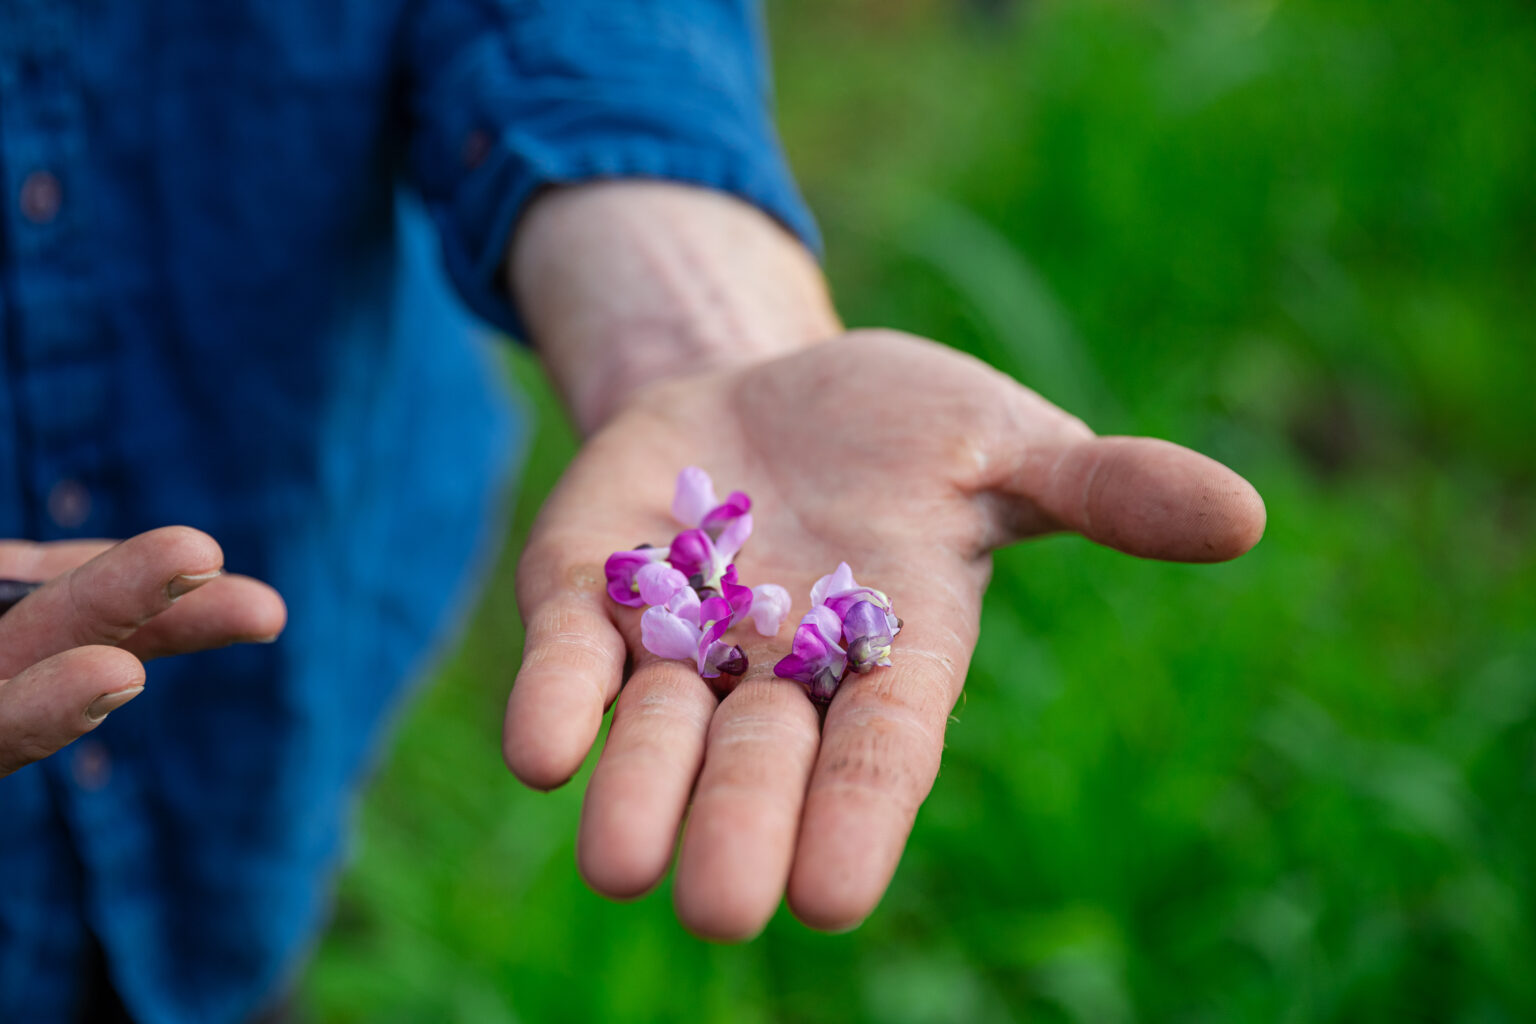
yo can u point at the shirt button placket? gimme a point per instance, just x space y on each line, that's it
59 363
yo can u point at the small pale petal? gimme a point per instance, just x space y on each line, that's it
658 582
835 582
668 636
694 498
826 622
770 607
685 605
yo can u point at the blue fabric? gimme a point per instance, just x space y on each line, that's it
222 303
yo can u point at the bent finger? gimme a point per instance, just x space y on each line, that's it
1142 496
56 701
573 663
109 597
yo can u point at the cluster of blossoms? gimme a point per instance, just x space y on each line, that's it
692 597
849 628
689 589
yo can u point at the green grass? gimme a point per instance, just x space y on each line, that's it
1301 787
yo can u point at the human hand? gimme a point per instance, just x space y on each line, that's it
71 651
900 456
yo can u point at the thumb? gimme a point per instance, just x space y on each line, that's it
62 698
1146 497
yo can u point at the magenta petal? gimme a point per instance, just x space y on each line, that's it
770 607
694 498
728 511
737 596
814 660
658 582
714 620
668 636
692 553
621 569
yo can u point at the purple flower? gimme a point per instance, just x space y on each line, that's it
704 559
694 504
815 660
868 632
621 569
690 630
842 612
692 589
839 591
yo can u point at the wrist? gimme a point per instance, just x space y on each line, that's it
624 284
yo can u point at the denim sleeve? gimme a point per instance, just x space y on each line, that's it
507 96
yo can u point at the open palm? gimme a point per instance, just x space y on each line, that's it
907 460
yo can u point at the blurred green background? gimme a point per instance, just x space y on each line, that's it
1299 236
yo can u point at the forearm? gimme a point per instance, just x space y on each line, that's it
626 283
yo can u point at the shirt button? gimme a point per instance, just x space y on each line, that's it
92 765
41 196
69 504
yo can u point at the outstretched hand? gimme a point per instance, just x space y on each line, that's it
900 456
72 650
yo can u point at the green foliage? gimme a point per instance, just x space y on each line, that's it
1298 236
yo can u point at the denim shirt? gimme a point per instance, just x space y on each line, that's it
229 235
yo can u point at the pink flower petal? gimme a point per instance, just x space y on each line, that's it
814 660
770 607
685 605
835 582
668 636
734 536
692 553
737 596
694 498
658 582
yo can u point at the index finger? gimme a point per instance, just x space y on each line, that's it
573 662
880 750
105 600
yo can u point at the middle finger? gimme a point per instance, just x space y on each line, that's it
740 839
639 789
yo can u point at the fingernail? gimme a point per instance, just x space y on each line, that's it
183 585
107 703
